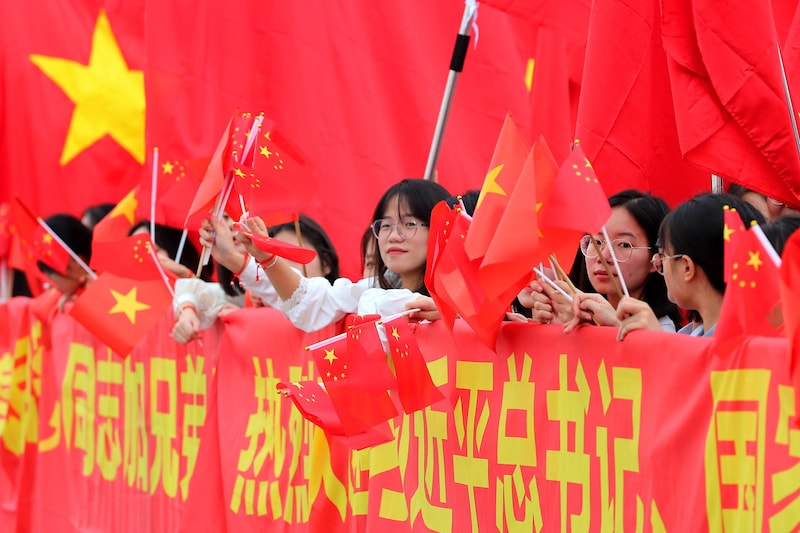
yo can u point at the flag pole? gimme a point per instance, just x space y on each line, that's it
789 100
65 246
5 282
456 66
153 189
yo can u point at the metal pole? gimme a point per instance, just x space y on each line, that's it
456 66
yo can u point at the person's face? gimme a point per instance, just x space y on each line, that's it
314 268
402 253
630 239
71 280
370 268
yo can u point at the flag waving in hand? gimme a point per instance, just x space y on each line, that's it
414 384
504 169
120 311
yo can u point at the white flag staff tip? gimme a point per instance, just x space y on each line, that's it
456 66
553 284
153 189
616 262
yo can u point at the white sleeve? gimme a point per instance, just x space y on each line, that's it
384 302
254 278
316 303
207 298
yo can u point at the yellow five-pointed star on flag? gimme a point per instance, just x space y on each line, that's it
490 185
109 97
128 304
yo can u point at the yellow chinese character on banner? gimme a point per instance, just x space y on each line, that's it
516 446
786 483
78 399
164 424
193 384
266 438
109 384
21 423
735 450
135 449
568 406
477 379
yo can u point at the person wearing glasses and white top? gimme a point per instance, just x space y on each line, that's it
690 256
401 222
633 230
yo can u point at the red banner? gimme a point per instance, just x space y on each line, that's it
554 432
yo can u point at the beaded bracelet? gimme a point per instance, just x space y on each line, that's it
269 264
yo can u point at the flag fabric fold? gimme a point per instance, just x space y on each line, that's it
283 249
314 403
415 387
507 161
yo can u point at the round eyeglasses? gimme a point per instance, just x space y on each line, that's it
622 248
659 258
406 228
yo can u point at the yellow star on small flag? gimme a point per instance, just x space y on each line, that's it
109 97
127 303
330 356
754 260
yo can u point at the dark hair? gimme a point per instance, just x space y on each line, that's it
695 228
314 235
469 199
95 213
169 239
366 238
74 234
418 197
779 230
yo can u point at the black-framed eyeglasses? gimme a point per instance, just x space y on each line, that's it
622 247
406 228
658 260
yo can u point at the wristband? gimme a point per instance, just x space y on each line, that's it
244 265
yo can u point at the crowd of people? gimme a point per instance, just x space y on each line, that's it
669 262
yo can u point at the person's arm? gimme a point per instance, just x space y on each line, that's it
197 304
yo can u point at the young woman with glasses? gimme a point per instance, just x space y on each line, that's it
690 257
400 226
633 230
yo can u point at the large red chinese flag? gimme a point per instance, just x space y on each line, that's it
507 162
73 103
514 249
732 114
414 384
752 303
121 311
626 123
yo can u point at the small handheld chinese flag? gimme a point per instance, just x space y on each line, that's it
414 384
